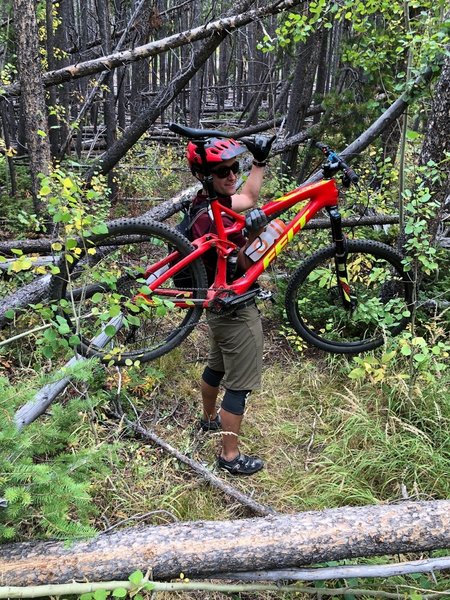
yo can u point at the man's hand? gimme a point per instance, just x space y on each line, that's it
260 147
256 219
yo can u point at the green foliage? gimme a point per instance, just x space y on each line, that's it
80 210
47 469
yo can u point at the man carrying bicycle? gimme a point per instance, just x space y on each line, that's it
236 338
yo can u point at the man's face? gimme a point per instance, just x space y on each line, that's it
225 185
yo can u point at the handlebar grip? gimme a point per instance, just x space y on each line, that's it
350 173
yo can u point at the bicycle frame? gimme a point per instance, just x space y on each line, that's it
320 195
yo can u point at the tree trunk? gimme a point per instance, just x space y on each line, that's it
109 106
302 90
33 94
435 144
7 138
51 62
203 548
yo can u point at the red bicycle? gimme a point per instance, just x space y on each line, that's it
136 292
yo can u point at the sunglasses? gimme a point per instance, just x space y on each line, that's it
223 172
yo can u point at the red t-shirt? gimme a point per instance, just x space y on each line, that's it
203 224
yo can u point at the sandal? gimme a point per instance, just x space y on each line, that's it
241 465
211 424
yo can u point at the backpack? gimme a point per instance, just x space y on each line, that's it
183 279
190 216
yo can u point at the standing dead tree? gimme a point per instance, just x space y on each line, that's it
36 129
140 125
434 148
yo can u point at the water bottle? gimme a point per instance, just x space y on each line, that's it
264 241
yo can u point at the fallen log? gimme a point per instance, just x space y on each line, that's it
206 547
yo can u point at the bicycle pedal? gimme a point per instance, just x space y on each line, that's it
265 295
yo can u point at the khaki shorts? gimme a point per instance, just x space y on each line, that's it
236 347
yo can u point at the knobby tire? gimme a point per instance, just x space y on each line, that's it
382 288
98 287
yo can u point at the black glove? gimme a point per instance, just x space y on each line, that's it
255 219
260 147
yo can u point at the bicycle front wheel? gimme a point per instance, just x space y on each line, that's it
382 289
104 305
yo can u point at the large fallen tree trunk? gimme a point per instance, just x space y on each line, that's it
206 547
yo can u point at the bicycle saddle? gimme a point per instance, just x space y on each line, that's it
196 134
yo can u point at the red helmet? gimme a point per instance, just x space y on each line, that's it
217 150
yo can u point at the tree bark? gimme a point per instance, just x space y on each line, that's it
203 548
301 93
34 108
435 144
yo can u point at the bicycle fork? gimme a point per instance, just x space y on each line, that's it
340 259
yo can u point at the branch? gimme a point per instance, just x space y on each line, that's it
77 589
148 434
429 565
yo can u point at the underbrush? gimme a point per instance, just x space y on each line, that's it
328 440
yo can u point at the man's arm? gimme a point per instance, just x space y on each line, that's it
248 197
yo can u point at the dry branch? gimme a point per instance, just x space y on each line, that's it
77 589
118 59
148 434
205 547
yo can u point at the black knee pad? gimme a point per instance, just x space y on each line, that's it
234 401
212 377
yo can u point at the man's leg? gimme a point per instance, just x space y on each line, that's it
230 459
210 389
209 398
231 425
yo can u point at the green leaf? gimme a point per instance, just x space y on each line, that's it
357 373
45 190
9 314
114 310
136 577
134 320
100 594
110 330
101 228
119 592
74 340
48 351
71 244
420 357
412 135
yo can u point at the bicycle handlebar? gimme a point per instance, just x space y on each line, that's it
336 161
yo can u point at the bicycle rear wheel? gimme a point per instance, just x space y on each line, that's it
383 294
99 292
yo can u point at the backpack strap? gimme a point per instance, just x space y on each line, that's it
196 211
